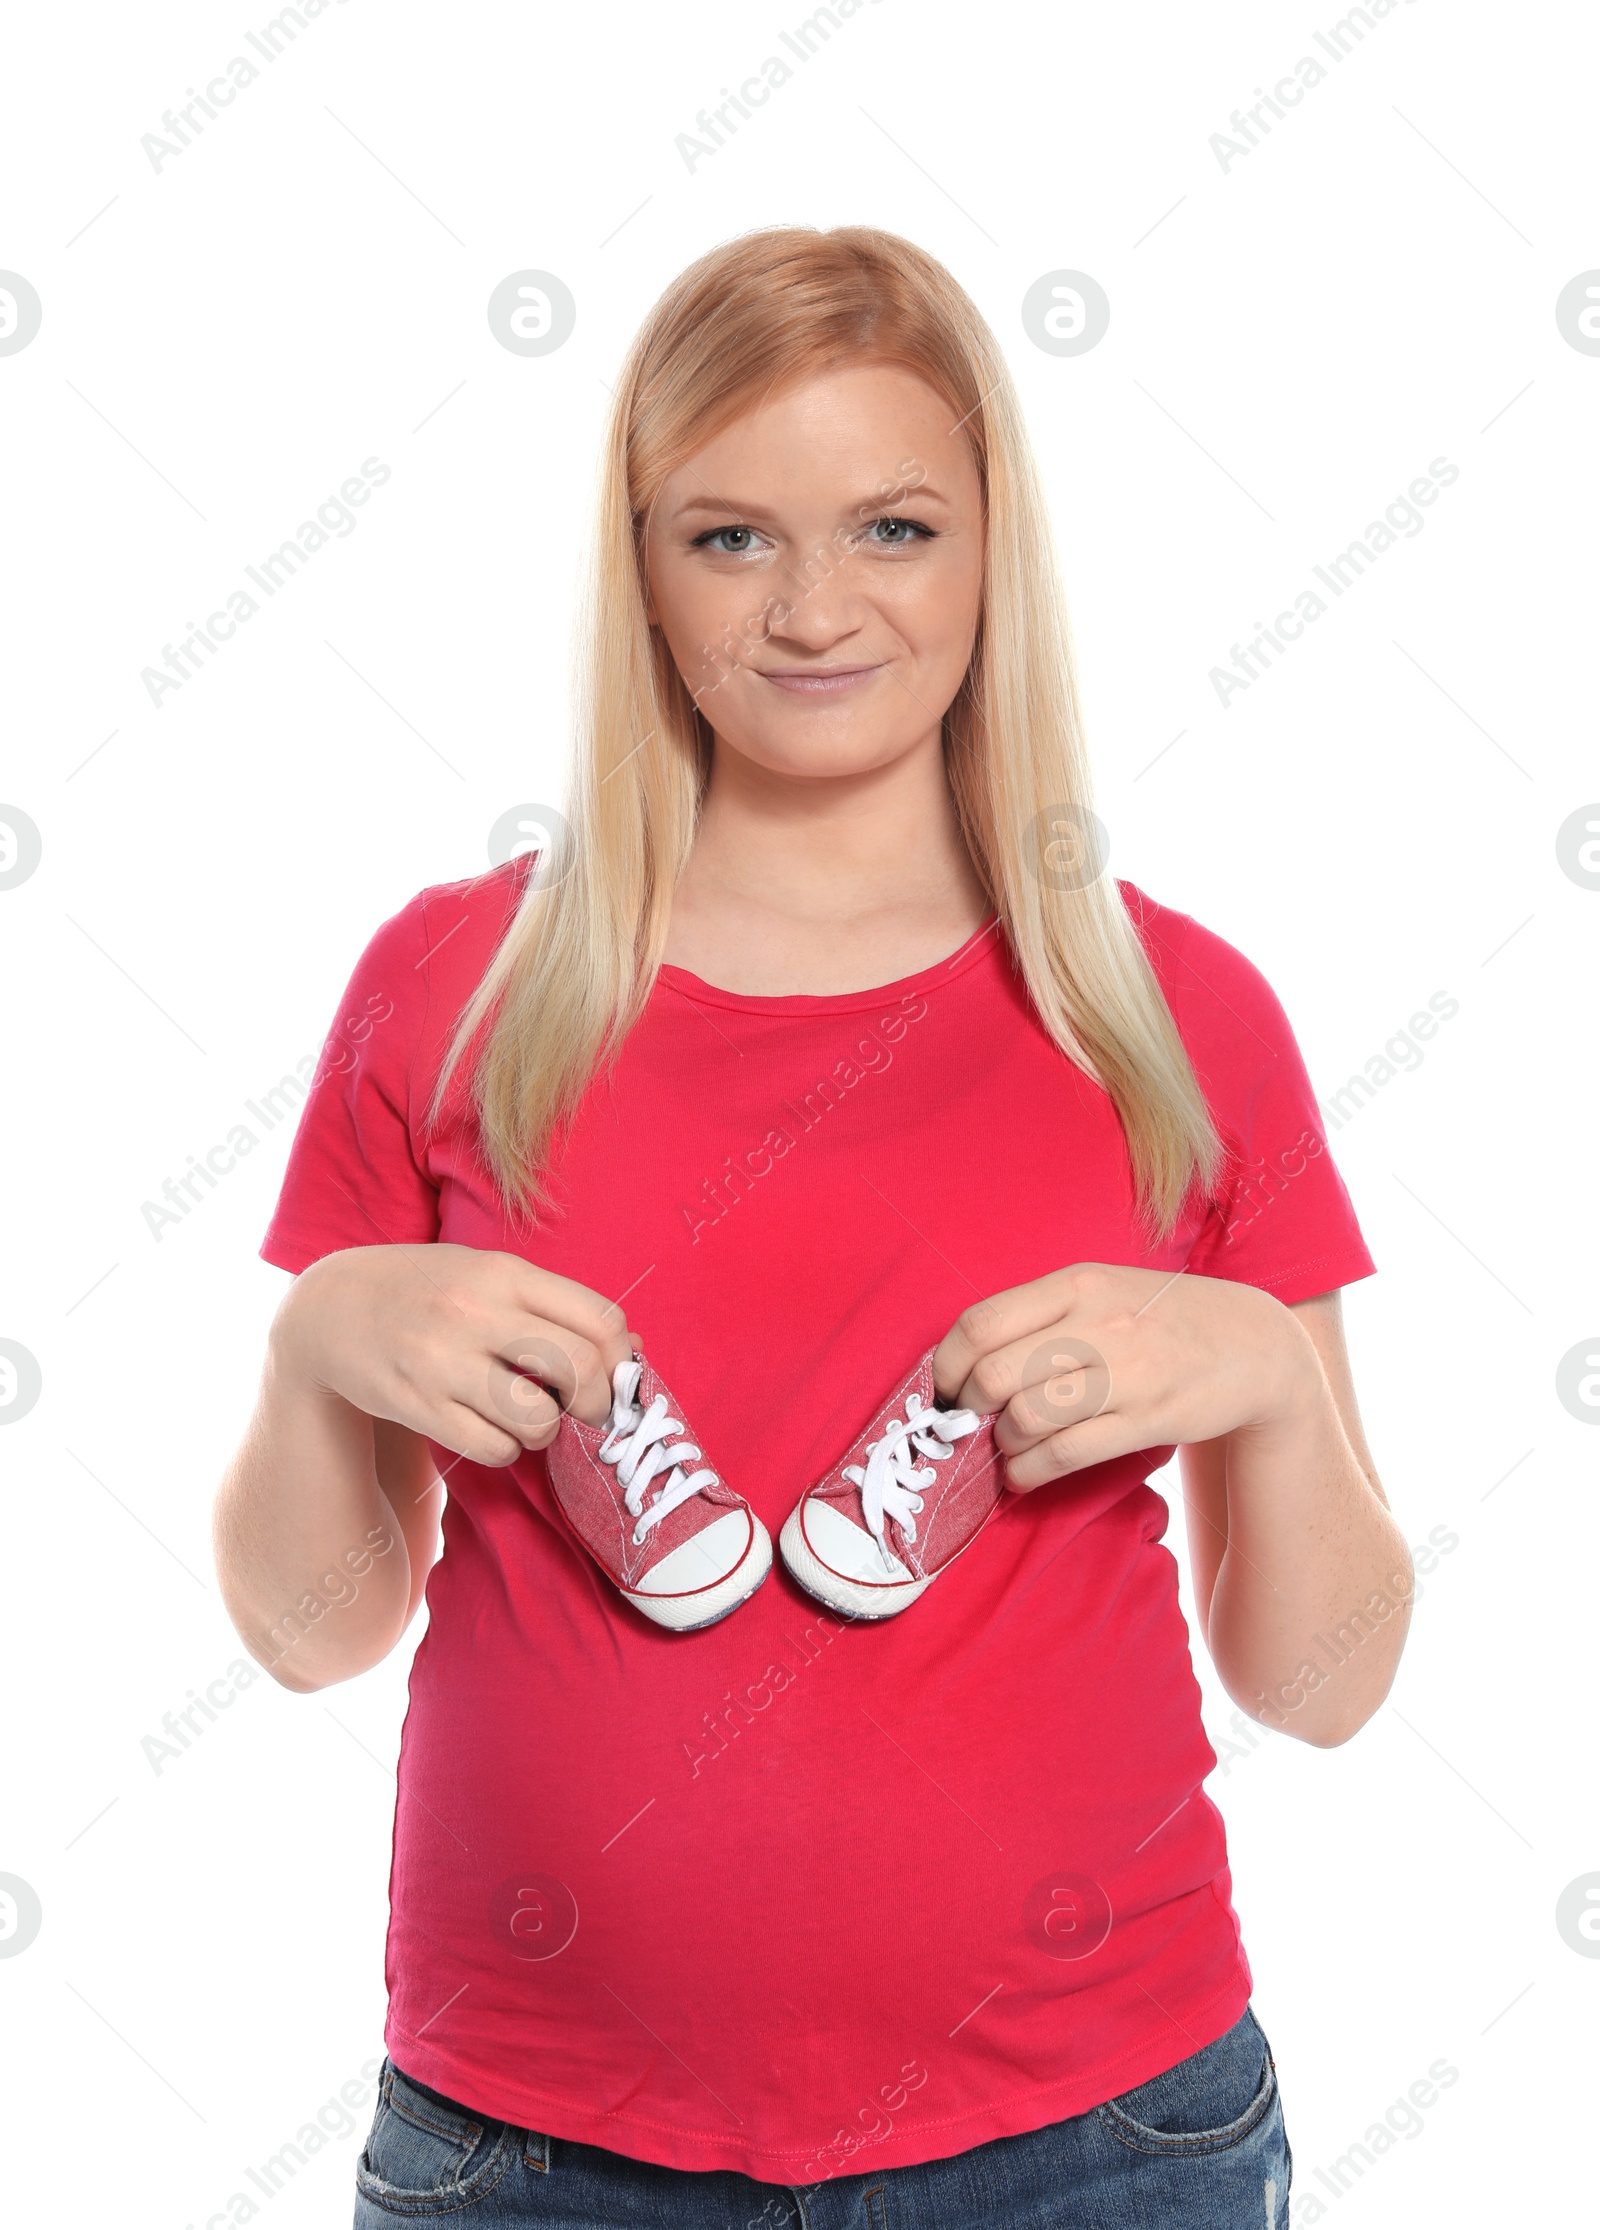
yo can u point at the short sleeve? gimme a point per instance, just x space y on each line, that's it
1282 1219
354 1176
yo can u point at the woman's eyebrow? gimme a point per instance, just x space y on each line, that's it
870 506
724 506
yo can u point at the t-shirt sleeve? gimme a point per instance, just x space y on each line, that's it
355 1176
1282 1219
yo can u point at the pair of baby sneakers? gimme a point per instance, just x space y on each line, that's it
686 1550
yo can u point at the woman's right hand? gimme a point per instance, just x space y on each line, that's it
453 1342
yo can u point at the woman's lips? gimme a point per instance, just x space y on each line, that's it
830 681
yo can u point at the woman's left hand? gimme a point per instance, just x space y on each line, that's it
1100 1360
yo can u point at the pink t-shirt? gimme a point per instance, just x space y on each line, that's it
793 1895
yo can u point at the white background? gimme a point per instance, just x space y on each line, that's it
1292 340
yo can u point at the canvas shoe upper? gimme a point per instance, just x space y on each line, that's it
663 1526
917 1488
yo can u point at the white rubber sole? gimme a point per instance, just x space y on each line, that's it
849 1597
688 1614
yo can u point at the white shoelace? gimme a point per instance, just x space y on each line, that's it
636 1444
889 1479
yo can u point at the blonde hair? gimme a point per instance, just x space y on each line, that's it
575 969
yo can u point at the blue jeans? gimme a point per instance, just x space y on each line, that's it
1201 2147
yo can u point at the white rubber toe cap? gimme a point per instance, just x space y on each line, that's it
717 1550
847 1548
711 1575
814 1531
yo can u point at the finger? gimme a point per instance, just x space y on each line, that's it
1074 1449
1060 1382
538 1363
517 1394
1021 1313
574 1308
465 1432
1045 1381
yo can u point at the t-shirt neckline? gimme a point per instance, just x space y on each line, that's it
835 1002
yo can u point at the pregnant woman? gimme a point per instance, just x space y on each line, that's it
781 1224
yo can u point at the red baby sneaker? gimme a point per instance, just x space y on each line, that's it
854 1540
680 1545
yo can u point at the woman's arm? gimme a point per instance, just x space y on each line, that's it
327 1520
1302 1577
1296 1544
324 1528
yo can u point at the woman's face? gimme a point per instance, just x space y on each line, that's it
817 572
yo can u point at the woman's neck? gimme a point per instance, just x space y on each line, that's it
810 884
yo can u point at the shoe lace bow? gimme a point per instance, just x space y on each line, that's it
637 1444
889 1480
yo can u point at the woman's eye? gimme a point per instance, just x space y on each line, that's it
898 532
728 541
